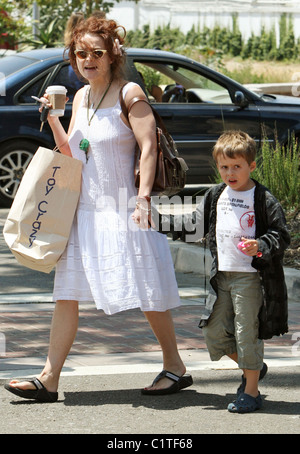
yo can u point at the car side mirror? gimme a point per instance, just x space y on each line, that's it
240 99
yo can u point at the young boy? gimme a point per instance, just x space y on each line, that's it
247 301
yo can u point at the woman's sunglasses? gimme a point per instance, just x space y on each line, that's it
83 54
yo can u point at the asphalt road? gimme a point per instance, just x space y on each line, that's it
113 404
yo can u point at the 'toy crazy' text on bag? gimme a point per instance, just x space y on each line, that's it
36 225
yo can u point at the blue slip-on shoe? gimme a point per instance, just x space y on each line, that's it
245 404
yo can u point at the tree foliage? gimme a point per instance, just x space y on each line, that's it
19 28
12 23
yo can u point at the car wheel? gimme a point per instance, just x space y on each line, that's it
14 159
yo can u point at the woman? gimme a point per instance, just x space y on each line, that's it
113 259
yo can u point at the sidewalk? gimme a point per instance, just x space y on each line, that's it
114 356
122 340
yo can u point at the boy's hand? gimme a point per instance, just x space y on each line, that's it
250 247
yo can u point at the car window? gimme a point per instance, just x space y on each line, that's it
67 77
64 76
12 63
33 89
177 84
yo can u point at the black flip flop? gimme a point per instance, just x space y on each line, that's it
179 383
41 394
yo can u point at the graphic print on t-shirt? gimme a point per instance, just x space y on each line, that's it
247 220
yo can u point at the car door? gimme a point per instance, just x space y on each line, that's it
196 109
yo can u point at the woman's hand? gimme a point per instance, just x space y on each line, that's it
44 100
142 213
59 133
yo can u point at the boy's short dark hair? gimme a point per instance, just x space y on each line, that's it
235 143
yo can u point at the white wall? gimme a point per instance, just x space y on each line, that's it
253 14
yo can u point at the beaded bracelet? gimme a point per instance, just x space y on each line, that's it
139 205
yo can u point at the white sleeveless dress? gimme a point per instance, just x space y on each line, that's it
109 259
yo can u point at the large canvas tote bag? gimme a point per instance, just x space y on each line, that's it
40 219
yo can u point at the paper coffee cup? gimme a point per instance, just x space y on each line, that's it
57 97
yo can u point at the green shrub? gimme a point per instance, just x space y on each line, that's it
278 169
227 40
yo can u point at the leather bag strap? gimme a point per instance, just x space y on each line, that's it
126 109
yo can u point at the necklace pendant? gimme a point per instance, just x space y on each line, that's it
84 146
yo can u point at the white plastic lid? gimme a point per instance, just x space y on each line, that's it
59 89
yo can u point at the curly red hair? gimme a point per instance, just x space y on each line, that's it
109 31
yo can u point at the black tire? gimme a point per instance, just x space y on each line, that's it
14 159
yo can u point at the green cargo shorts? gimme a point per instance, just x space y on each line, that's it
233 324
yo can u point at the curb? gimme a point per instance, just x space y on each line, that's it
131 363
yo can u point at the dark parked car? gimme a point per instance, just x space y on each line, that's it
195 102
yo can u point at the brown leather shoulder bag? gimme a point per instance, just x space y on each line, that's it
170 175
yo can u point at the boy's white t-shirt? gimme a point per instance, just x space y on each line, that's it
235 219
